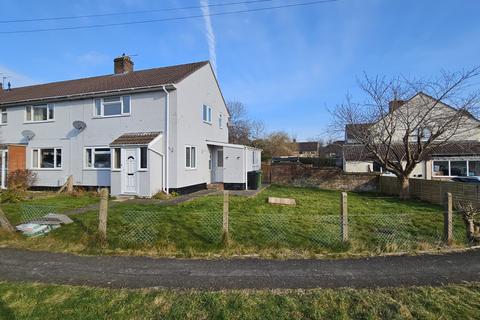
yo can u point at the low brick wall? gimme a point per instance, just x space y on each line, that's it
326 178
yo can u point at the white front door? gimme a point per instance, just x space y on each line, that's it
3 168
130 171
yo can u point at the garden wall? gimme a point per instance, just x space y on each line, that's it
433 191
327 178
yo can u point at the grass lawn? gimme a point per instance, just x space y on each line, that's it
36 301
311 228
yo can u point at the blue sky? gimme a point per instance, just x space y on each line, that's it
288 65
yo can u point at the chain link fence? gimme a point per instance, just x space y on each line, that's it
285 230
34 212
148 228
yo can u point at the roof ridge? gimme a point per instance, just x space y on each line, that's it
204 62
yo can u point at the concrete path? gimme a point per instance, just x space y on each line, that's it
142 272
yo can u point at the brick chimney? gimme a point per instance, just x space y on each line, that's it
395 104
122 64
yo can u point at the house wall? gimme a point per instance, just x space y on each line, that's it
190 128
251 166
147 114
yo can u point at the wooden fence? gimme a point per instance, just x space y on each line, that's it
433 191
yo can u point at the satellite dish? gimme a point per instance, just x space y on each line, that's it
28 134
79 125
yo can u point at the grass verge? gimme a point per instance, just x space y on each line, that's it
38 301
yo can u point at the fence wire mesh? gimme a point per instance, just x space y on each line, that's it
288 230
34 212
139 227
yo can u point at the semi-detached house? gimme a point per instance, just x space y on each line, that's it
137 132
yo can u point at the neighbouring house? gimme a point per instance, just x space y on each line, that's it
308 149
137 132
460 156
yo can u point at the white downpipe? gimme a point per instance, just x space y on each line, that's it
245 167
166 166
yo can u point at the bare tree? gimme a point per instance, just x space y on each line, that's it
242 129
403 121
277 143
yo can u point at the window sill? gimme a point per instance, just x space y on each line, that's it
97 169
41 121
190 169
116 116
46 169
206 122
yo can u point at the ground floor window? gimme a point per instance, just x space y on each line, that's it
97 158
456 168
143 157
48 158
117 158
190 157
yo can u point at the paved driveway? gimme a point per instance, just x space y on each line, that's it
142 272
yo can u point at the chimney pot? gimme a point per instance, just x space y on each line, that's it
122 64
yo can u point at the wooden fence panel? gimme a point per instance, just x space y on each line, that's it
433 191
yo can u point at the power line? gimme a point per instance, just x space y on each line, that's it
133 12
93 26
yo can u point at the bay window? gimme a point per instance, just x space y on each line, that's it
39 113
97 158
112 106
48 158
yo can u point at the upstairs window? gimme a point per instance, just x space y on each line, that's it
207 114
112 106
47 158
3 117
97 158
39 113
220 121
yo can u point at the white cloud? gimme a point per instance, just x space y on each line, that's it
209 34
15 78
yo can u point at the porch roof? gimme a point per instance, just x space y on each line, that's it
135 138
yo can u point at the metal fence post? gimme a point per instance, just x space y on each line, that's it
102 216
225 234
447 221
344 216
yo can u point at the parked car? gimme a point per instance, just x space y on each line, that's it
471 179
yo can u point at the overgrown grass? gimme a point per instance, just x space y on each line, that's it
36 301
311 228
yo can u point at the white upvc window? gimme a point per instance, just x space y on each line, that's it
190 157
254 157
3 116
47 158
39 113
97 158
455 168
220 121
207 114
112 106
117 158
